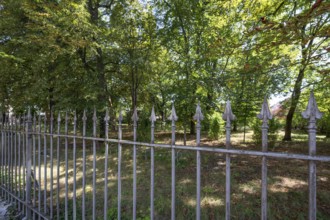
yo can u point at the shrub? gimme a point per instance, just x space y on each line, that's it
215 126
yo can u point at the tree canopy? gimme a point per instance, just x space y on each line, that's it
76 54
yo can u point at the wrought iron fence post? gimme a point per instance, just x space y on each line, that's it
94 164
28 188
83 214
173 117
2 154
135 118
106 137
120 119
228 116
312 113
74 196
198 117
152 163
264 115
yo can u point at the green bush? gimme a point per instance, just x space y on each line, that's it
215 126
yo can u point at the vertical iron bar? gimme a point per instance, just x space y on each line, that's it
11 176
45 164
74 196
84 167
173 117
264 115
34 164
134 118
58 167
120 118
19 160
106 136
2 152
312 175
28 200
228 116
312 113
66 167
198 117
152 163
24 138
39 164
94 164
6 157
15 157
51 131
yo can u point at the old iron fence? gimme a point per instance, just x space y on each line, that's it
30 173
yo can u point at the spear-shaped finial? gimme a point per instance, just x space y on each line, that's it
94 115
75 116
312 111
59 117
228 114
135 117
265 112
198 115
34 118
153 115
66 116
120 117
173 115
29 117
107 117
84 118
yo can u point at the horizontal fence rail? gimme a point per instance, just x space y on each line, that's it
51 170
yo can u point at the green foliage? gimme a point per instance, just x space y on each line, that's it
99 53
215 126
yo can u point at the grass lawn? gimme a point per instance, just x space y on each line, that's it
287 180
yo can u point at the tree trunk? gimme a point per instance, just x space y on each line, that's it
192 127
297 86
102 91
294 102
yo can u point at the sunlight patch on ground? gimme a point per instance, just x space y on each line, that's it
209 201
185 181
284 184
250 187
323 178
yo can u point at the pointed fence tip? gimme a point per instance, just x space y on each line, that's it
265 111
51 116
59 117
228 114
84 118
107 117
153 115
312 110
198 115
120 117
173 116
135 115
94 115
